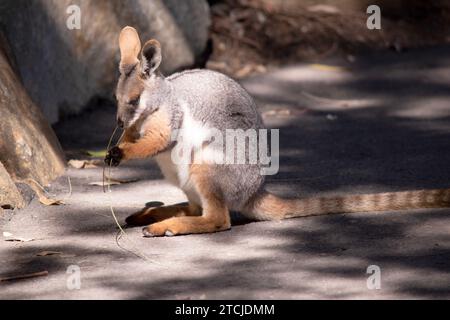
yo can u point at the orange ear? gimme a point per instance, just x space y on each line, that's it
130 46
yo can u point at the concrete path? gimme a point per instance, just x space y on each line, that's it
380 123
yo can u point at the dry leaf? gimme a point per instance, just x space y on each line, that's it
217 65
261 68
84 164
244 71
19 239
324 67
48 253
25 276
323 8
107 183
77 164
10 237
277 112
91 164
49 202
40 192
111 182
122 181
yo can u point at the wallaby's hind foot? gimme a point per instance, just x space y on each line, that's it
185 225
148 216
215 215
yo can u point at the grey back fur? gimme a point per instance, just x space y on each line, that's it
220 102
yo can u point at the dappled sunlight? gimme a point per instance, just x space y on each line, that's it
436 108
312 73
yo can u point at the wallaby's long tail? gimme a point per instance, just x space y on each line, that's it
267 206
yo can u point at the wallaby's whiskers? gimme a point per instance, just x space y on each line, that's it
121 232
107 149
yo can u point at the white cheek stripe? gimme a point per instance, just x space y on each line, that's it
137 114
142 104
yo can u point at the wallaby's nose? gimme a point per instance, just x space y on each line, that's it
120 123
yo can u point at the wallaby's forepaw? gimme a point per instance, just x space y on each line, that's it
157 230
114 156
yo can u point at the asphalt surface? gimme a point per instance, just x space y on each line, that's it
379 123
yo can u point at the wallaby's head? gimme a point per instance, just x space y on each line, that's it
138 72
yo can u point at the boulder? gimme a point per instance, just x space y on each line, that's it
62 68
29 149
10 197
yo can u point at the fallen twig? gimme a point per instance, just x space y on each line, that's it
25 276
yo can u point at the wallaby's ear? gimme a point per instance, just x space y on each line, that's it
130 46
150 57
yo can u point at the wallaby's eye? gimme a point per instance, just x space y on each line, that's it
134 102
114 96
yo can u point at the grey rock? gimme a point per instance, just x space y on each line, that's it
62 69
29 148
9 195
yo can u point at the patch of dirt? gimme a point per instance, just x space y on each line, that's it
251 35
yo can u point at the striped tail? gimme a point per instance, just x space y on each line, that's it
267 206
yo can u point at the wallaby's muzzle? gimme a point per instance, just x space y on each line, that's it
120 123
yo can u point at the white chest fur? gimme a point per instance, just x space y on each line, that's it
176 172
178 175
